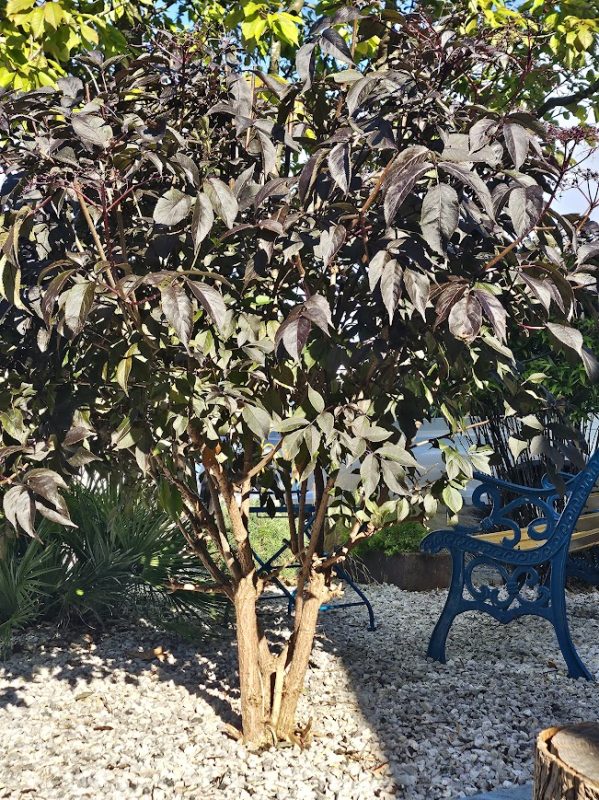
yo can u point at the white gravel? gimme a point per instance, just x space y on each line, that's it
89 719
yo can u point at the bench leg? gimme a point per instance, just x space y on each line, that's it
453 606
576 667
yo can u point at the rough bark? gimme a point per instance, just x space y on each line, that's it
300 649
255 695
567 763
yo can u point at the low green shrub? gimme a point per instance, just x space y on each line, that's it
402 537
124 553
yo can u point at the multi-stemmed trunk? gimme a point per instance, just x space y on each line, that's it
271 685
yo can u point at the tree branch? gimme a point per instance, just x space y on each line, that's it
569 99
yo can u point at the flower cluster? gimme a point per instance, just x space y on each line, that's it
575 134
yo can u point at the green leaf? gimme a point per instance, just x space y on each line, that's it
286 26
10 281
452 499
316 400
123 371
347 480
517 446
257 419
291 444
395 452
291 424
253 27
17 6
370 474
53 13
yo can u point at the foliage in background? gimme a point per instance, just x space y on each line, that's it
403 537
124 553
195 260
39 41
554 44
564 377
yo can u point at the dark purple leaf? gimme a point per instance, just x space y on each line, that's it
465 318
176 307
330 242
567 336
400 183
517 140
474 181
78 301
19 509
211 300
333 44
318 311
293 335
91 129
439 217
525 206
494 311
172 207
305 64
223 200
340 166
391 283
201 221
418 289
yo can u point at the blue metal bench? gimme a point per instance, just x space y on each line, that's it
269 565
531 563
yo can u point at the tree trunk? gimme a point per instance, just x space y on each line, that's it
255 695
300 649
567 763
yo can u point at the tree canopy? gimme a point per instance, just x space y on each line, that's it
197 256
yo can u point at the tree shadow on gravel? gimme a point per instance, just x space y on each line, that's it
467 726
426 730
80 656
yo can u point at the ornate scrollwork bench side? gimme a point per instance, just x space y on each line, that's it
530 562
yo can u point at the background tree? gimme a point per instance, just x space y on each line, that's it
555 45
194 256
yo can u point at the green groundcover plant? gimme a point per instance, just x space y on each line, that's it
196 256
124 554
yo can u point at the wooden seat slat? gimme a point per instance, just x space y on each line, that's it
586 535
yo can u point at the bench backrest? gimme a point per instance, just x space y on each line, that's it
580 490
551 528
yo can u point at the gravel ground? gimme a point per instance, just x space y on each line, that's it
103 718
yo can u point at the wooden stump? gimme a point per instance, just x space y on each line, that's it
567 763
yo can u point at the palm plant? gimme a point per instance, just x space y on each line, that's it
123 553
